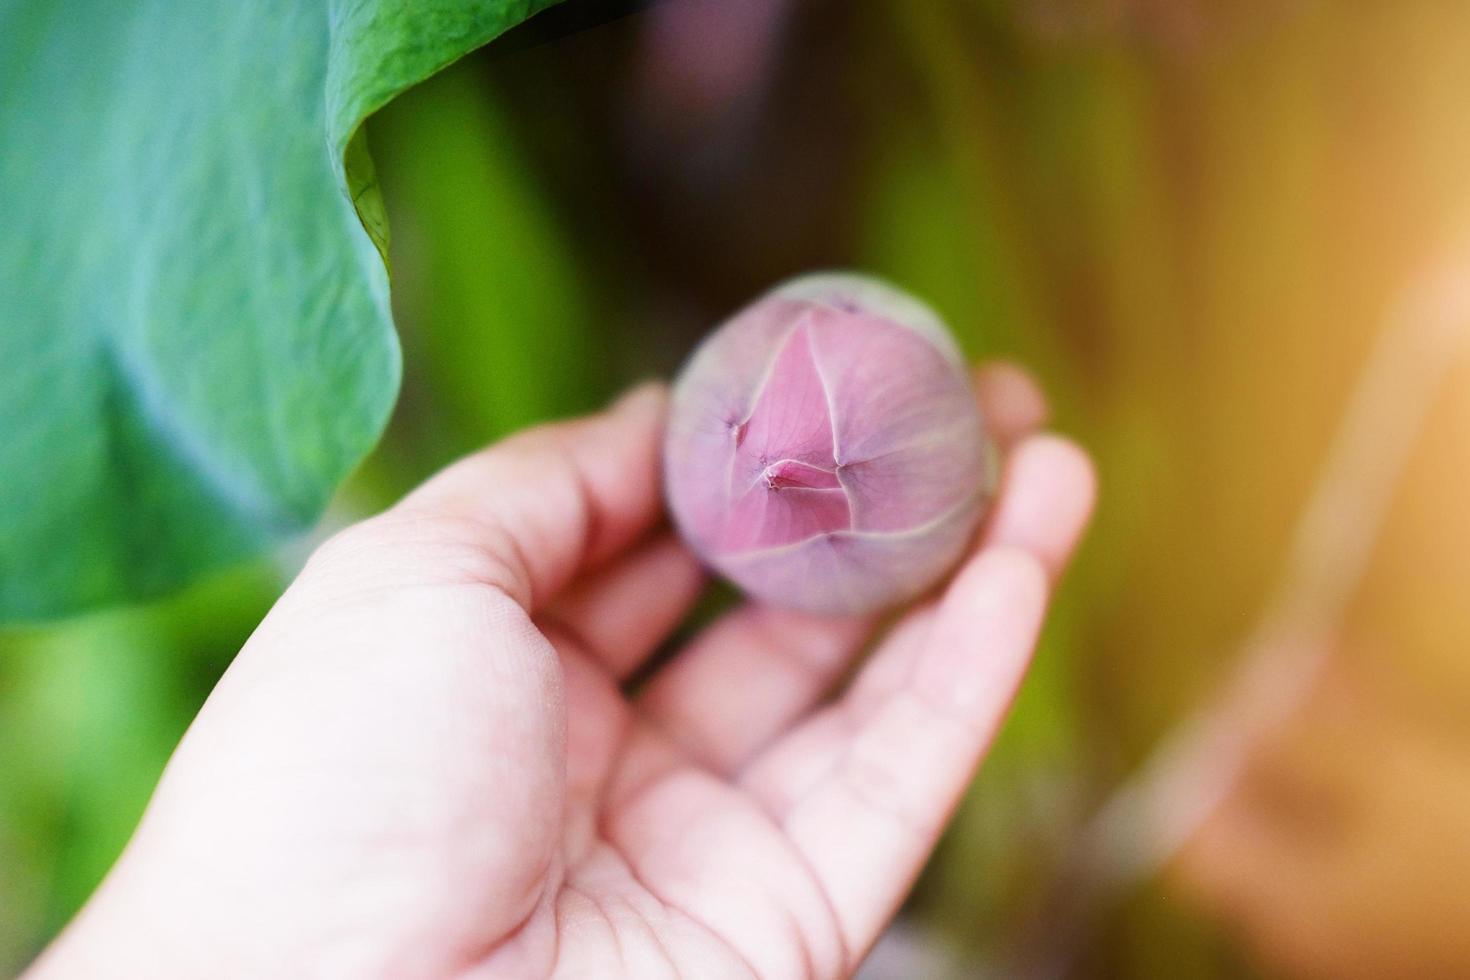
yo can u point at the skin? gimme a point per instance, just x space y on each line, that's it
424 763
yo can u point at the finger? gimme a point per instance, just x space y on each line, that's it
597 726
621 613
744 679
528 513
866 826
1065 479
1047 494
1011 402
748 677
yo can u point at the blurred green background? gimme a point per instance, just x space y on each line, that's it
1187 217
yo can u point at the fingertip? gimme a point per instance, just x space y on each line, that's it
1070 466
647 398
1046 500
1011 402
632 422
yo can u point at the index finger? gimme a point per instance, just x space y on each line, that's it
530 512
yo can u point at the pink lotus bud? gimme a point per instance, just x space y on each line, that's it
825 451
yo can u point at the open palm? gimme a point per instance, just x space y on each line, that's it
427 762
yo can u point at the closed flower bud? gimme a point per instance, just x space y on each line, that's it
825 450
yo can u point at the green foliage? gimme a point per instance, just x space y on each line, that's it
495 312
196 344
91 710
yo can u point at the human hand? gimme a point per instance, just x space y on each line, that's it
424 763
